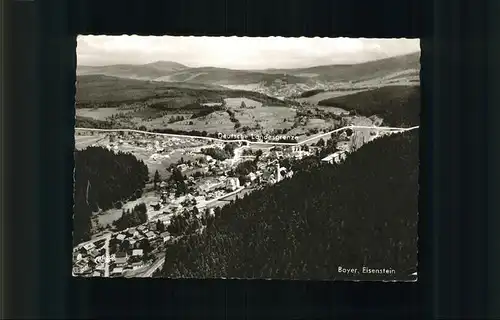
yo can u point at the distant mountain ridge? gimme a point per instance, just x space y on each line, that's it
148 71
175 72
360 71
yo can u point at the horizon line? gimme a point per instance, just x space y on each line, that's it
240 69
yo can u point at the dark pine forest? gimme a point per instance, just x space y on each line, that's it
103 179
362 212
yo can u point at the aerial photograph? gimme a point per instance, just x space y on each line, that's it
246 158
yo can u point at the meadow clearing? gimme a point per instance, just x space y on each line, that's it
99 113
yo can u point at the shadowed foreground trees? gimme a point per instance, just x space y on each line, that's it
360 213
102 180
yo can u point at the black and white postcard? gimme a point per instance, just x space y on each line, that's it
246 158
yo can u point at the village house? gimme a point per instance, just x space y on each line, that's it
139 237
85 270
100 267
77 270
165 236
121 237
199 199
141 228
252 176
121 258
88 247
152 226
232 184
151 235
137 253
94 253
137 265
335 157
117 272
133 232
343 146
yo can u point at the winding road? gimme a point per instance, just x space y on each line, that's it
153 268
107 259
248 141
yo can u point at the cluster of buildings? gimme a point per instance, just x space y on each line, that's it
133 255
280 88
89 260
152 143
352 143
218 179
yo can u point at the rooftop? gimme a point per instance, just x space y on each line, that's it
121 255
137 252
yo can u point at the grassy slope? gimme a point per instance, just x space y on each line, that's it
228 76
361 213
397 105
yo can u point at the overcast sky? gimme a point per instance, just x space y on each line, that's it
238 52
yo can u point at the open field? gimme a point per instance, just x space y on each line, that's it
111 215
256 120
217 121
164 162
248 87
268 118
99 113
82 142
236 102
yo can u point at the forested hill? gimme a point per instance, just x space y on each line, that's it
399 106
102 180
360 213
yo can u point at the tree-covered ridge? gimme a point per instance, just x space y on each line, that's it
398 105
85 122
103 179
97 91
360 213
